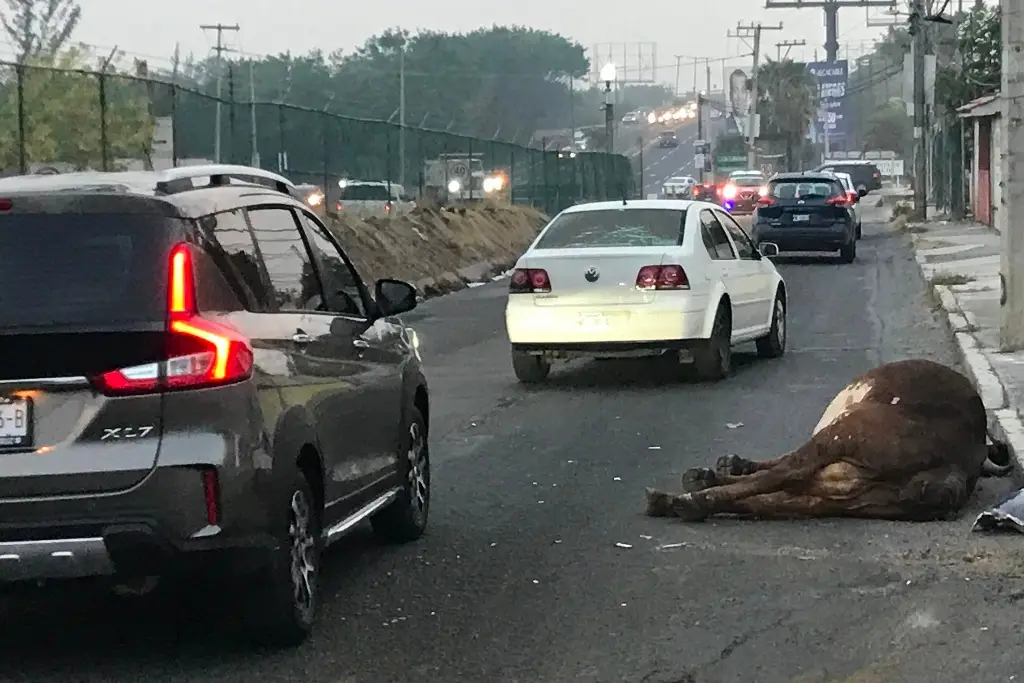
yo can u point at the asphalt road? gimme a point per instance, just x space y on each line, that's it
520 579
660 164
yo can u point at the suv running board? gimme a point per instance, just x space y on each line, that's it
338 530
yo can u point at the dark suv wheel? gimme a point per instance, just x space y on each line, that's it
406 519
283 599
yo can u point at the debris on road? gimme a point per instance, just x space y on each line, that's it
733 425
627 546
1008 515
654 448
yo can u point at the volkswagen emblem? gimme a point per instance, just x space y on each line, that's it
592 274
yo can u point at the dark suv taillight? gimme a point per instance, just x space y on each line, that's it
199 352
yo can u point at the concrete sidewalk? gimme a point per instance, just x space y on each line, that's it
961 262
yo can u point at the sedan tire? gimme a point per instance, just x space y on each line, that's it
530 368
773 345
713 362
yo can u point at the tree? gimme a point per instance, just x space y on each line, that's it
787 102
39 27
889 128
978 69
62 114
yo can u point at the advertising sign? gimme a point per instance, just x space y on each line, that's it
831 78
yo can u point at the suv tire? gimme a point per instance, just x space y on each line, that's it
848 252
283 598
405 519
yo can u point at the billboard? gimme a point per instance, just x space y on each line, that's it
831 78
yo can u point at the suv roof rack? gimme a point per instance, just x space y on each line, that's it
169 182
180 179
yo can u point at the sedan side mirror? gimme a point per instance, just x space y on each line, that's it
768 249
394 297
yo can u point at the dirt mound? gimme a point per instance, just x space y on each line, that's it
439 250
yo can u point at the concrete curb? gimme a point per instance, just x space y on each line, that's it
453 281
1004 421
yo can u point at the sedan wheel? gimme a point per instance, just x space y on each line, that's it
773 345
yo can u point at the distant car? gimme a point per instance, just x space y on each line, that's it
580 140
631 118
678 187
668 139
740 194
865 174
670 279
364 198
806 212
854 196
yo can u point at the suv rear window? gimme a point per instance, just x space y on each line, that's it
376 193
81 269
804 188
615 228
747 181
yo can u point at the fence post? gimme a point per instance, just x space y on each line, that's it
470 164
512 176
19 70
174 125
104 159
387 156
421 162
324 121
282 155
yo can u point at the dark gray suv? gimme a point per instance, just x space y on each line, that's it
195 381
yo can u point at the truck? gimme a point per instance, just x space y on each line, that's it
728 155
462 177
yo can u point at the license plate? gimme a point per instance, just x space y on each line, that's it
15 422
593 323
801 217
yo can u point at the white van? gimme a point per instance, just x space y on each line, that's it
365 198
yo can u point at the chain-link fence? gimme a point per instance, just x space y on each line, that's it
75 119
946 166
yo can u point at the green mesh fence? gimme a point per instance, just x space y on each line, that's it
947 168
88 120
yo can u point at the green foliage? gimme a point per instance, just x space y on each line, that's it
977 70
39 27
62 112
889 128
501 83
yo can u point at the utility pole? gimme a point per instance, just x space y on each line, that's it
700 131
253 138
401 118
788 44
219 49
831 9
752 121
1011 329
707 74
920 157
679 64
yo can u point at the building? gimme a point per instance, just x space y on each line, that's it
983 129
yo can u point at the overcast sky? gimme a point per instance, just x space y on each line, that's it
686 27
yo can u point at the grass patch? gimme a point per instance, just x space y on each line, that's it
950 279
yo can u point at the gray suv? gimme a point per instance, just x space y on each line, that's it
195 382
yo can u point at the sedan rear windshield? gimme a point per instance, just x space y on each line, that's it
81 269
748 181
810 188
623 227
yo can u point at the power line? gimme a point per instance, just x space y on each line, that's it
831 9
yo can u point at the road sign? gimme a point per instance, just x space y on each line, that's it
459 170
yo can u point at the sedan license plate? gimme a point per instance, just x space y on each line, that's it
593 323
801 217
15 422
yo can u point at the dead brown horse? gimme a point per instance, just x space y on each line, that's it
905 441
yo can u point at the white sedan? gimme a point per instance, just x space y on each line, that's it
670 278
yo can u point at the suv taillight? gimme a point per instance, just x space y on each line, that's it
840 200
199 352
662 277
529 281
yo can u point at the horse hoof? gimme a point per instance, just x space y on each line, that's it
688 509
698 479
730 465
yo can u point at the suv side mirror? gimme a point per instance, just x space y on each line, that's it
394 297
862 192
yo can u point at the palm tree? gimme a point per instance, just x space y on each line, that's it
787 102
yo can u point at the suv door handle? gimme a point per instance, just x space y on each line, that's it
301 337
360 343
